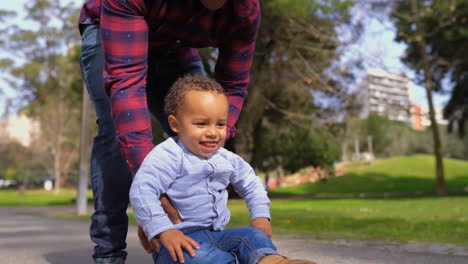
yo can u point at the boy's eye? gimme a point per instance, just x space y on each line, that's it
199 123
221 124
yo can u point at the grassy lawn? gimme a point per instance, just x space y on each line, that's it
38 198
394 175
443 220
429 218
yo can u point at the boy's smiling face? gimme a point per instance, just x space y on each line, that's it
200 121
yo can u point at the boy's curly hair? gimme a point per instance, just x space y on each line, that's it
176 93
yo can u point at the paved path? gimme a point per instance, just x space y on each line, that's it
29 239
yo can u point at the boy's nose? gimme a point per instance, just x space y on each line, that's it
211 132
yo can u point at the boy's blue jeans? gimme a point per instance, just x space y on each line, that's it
110 175
245 245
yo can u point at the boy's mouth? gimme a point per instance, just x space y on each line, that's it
209 145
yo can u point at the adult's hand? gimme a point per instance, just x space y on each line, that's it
170 210
263 224
145 243
173 214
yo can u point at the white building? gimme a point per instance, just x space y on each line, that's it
386 94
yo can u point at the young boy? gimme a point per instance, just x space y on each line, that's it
194 169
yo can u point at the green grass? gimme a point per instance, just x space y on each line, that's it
424 219
442 220
394 175
38 198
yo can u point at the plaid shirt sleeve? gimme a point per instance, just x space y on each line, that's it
90 12
234 62
124 34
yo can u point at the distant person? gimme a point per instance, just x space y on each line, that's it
194 169
146 45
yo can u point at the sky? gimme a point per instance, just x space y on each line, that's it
376 46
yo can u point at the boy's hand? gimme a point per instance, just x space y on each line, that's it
263 224
175 241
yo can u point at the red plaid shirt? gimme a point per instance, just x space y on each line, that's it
177 28
90 13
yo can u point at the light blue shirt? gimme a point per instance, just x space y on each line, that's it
195 185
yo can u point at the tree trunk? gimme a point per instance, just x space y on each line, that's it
441 189
440 178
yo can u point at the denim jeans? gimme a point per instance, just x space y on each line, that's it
245 245
110 175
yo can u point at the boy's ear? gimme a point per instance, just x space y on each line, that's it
172 120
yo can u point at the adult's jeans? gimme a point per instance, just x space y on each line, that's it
245 245
110 175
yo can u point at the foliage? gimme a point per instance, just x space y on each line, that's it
18 162
394 138
444 26
293 74
308 147
318 148
414 25
295 50
449 46
47 78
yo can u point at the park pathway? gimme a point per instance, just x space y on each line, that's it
29 239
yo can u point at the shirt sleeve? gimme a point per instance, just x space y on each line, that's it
124 34
90 13
157 172
250 187
234 62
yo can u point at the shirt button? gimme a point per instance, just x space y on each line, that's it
210 179
178 41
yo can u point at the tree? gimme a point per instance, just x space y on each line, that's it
290 78
448 47
297 86
48 80
412 21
